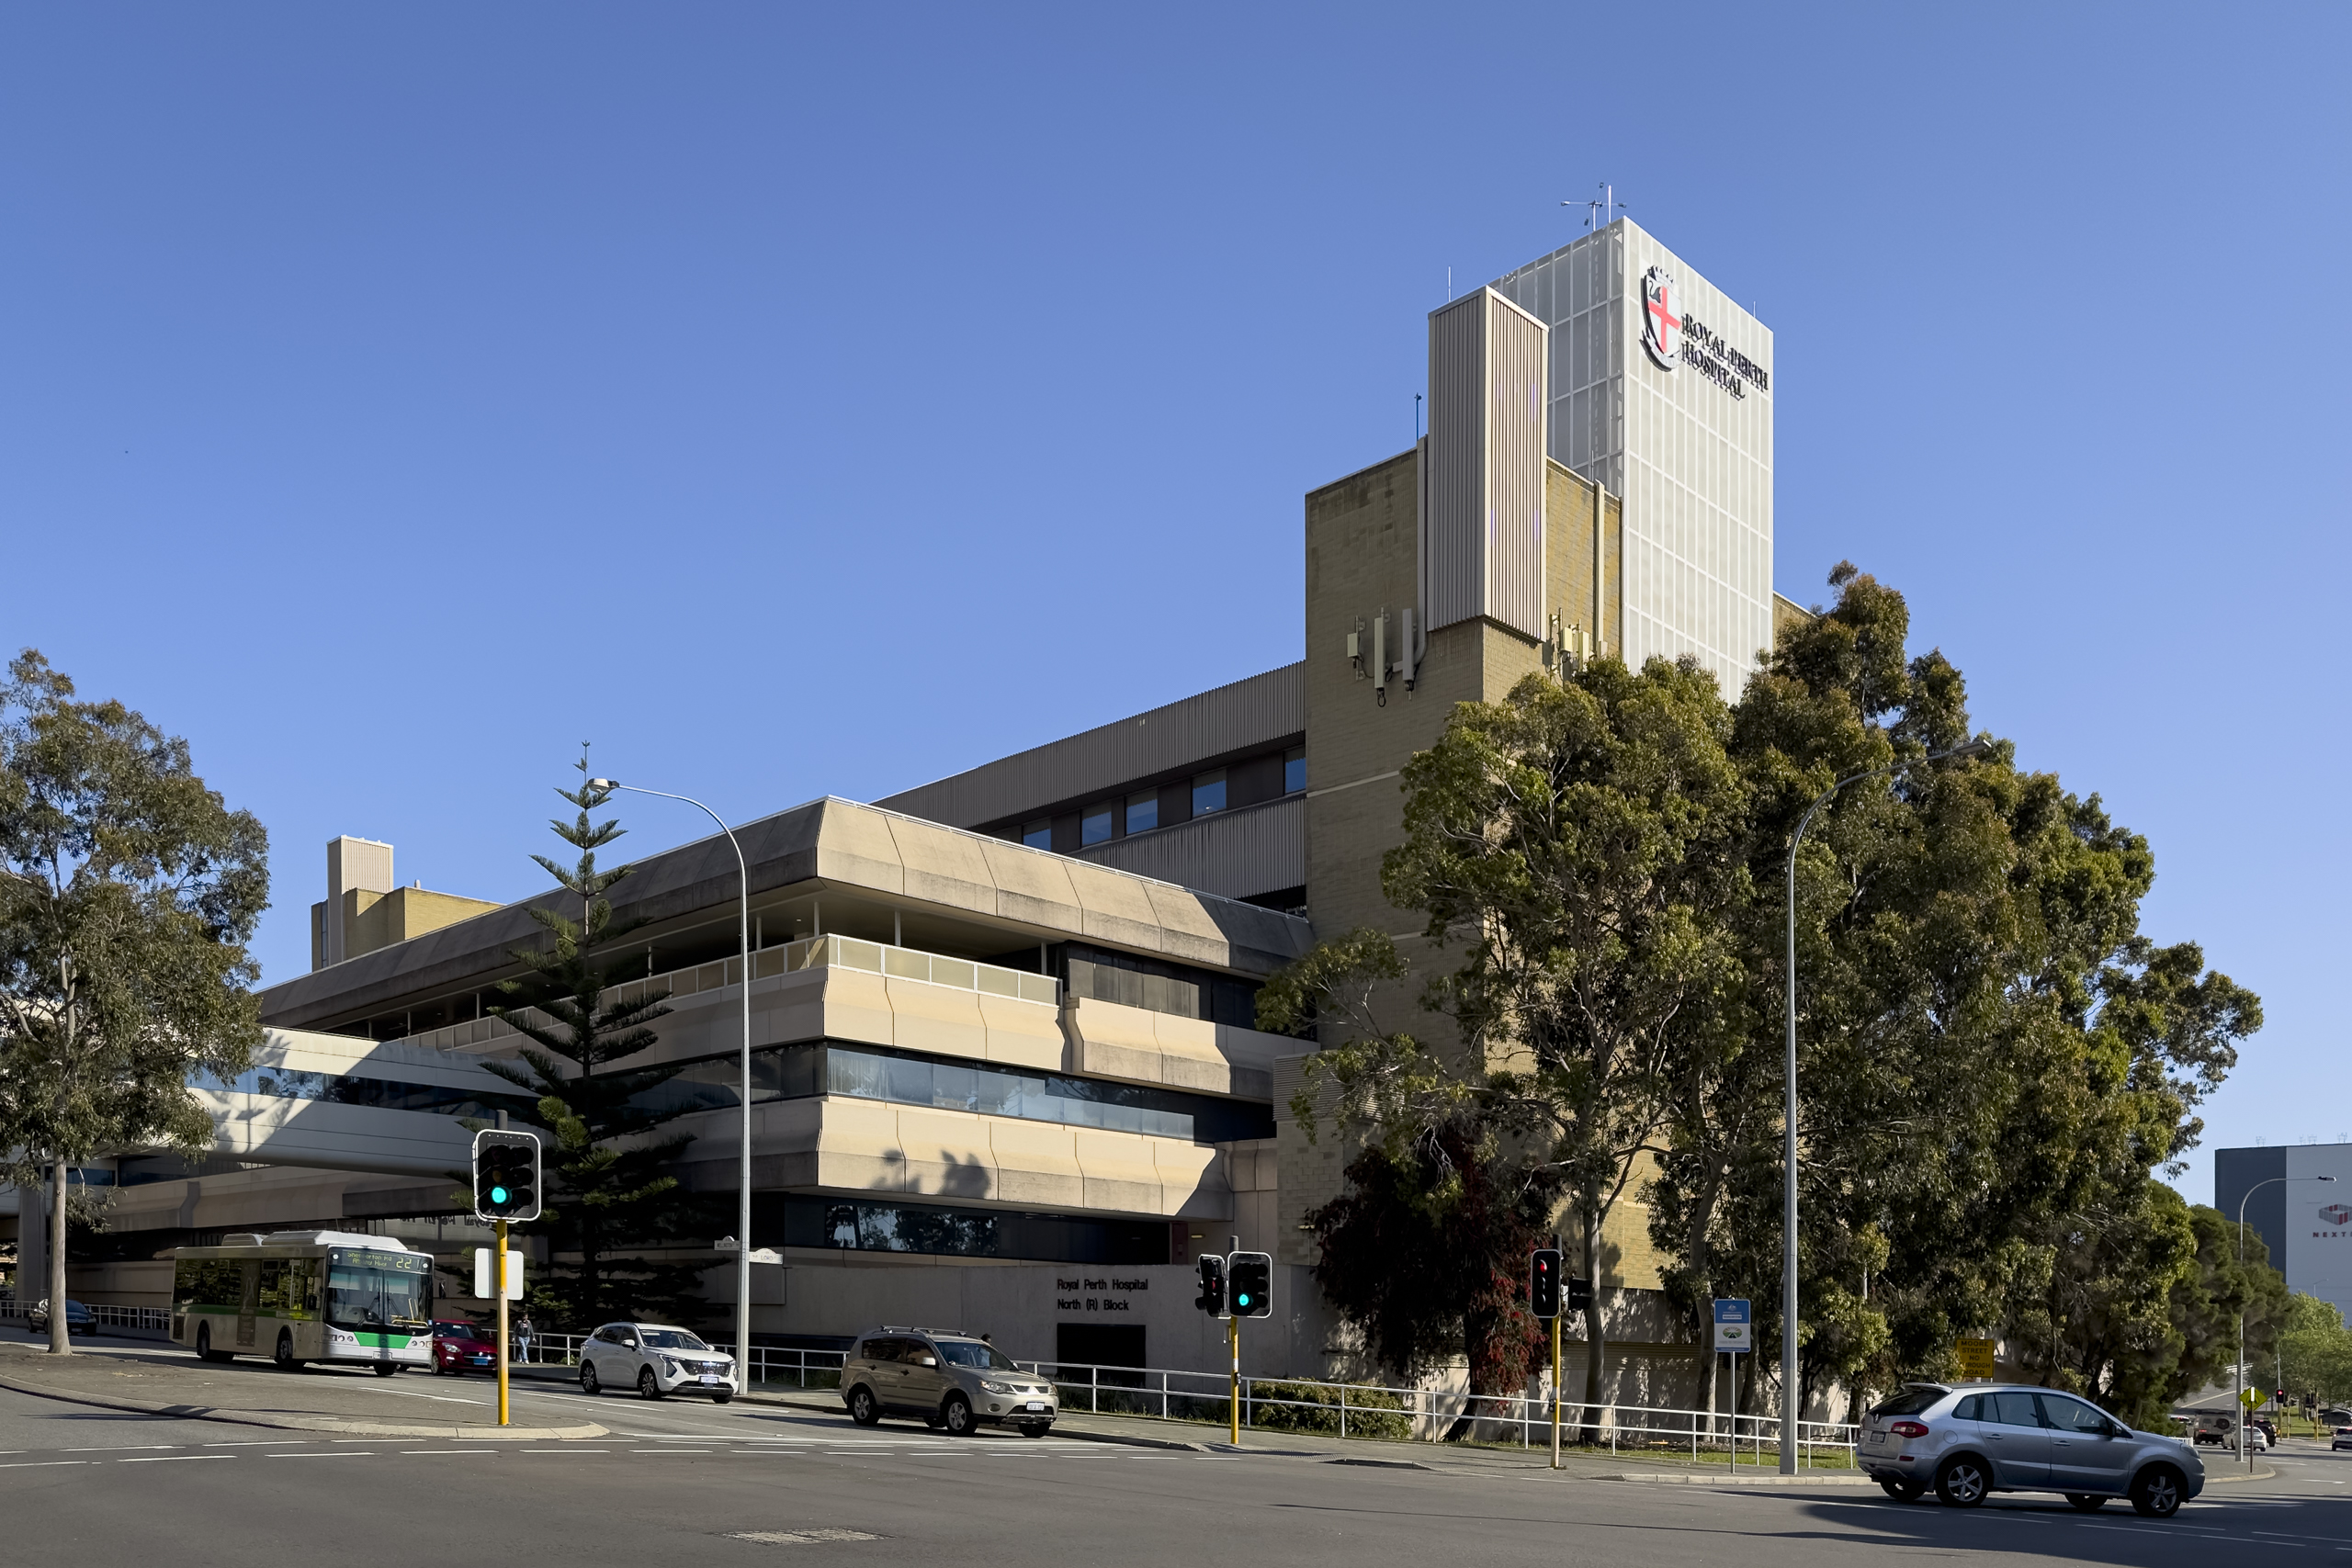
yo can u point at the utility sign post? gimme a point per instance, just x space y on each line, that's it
506 1187
1735 1336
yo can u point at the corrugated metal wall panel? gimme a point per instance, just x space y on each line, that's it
1234 855
1516 387
1489 385
1456 552
1259 711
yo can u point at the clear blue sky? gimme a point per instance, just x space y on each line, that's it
806 399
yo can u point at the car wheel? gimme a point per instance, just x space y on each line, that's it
285 1356
2088 1502
956 1415
648 1385
1902 1491
386 1368
1036 1429
588 1384
2155 1492
862 1408
1962 1482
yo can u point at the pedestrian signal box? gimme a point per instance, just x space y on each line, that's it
1212 1297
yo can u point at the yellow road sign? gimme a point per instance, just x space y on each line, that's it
1975 1358
2250 1397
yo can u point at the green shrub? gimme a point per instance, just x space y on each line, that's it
1371 1412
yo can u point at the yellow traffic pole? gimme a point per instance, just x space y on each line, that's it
498 1288
1555 1390
1233 1398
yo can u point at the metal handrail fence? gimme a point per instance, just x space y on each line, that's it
771 1364
154 1318
1312 1404
1358 1410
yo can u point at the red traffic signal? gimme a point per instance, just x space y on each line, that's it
1543 1282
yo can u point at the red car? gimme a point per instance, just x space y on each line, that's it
460 1347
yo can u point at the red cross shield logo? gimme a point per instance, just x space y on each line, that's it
1661 318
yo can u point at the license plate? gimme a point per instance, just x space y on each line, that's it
712 1377
481 1361
1877 1439
1035 1404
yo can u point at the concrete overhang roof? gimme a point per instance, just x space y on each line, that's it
1033 895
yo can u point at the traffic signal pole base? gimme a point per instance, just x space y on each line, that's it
1233 1401
499 1280
1556 1394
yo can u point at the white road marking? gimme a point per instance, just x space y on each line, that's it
45 1463
117 1448
446 1450
171 1458
346 1453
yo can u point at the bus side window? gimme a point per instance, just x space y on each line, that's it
273 1298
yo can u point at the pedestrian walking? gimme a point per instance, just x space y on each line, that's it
523 1337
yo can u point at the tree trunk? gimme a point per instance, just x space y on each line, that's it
59 1340
1596 1349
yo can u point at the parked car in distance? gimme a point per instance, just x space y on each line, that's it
458 1348
2216 1428
79 1319
949 1380
1970 1443
655 1359
2342 1439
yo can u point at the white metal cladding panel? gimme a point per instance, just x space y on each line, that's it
1256 712
1692 462
1515 419
1457 503
1234 855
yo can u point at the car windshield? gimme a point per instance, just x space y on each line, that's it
1910 1401
457 1331
972 1353
672 1339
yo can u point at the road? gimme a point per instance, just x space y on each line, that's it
685 1482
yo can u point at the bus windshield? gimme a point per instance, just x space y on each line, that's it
378 1290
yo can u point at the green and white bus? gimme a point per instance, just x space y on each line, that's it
297 1296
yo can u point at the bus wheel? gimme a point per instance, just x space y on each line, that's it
285 1356
386 1369
204 1351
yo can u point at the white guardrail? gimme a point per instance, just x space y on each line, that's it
158 1319
1350 1410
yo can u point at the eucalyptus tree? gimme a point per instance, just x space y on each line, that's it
128 892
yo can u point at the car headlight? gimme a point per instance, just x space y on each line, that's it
993 1386
672 1364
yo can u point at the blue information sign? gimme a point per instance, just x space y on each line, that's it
1732 1326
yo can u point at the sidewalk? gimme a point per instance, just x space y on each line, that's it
160 1381
1139 1431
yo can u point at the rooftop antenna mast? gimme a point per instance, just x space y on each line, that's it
1600 212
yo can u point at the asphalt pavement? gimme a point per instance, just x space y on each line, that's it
686 1482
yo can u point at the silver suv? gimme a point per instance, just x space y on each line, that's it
946 1377
1968 1442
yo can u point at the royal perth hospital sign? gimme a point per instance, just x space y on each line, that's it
1673 338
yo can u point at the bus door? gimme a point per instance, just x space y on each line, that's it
246 1302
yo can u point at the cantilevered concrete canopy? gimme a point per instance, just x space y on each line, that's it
1029 894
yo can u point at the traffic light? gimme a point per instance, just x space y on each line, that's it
506 1175
1212 1297
1543 1282
1252 1276
1580 1295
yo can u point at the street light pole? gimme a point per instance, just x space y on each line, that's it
1789 1144
743 1221
2245 1450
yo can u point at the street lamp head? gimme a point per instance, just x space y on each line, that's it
604 783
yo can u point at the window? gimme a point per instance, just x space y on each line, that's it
1094 828
2073 1416
1910 1401
1295 770
1208 792
1038 835
1970 1409
2011 1410
1143 811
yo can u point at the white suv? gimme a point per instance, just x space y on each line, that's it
656 1361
